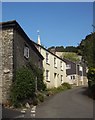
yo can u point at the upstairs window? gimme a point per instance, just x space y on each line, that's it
61 65
55 62
47 58
26 52
80 68
68 66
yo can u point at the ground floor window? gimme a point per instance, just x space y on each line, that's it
61 78
72 77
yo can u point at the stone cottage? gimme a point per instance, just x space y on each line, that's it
16 50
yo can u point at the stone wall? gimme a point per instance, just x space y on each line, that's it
7 62
20 41
12 45
1 66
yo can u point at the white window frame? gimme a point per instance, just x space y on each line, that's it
26 52
80 68
47 75
71 77
61 79
74 77
55 62
47 57
68 66
61 65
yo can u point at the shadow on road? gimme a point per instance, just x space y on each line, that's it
86 92
9 113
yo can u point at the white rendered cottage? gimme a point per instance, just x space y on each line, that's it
54 67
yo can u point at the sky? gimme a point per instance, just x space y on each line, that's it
59 23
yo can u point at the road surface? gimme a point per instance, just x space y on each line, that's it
73 103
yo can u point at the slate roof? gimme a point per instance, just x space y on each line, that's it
14 24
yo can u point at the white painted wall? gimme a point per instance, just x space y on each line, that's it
55 73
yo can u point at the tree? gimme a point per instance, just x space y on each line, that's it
87 49
70 56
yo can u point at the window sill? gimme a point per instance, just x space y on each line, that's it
48 63
61 69
47 80
55 67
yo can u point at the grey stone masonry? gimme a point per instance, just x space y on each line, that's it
1 74
13 55
6 70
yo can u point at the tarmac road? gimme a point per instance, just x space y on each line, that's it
72 103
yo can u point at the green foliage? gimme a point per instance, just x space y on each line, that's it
91 81
70 56
61 88
87 50
59 48
39 76
35 101
66 85
40 97
28 79
62 49
23 86
70 49
91 77
40 84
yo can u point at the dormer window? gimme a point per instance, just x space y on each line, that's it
26 52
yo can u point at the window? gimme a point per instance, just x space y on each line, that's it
68 66
61 78
55 62
47 58
26 52
61 65
73 77
47 75
80 68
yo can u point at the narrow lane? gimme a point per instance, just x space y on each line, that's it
73 103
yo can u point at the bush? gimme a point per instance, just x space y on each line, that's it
66 85
23 86
91 77
39 75
40 84
40 97
35 101
91 81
